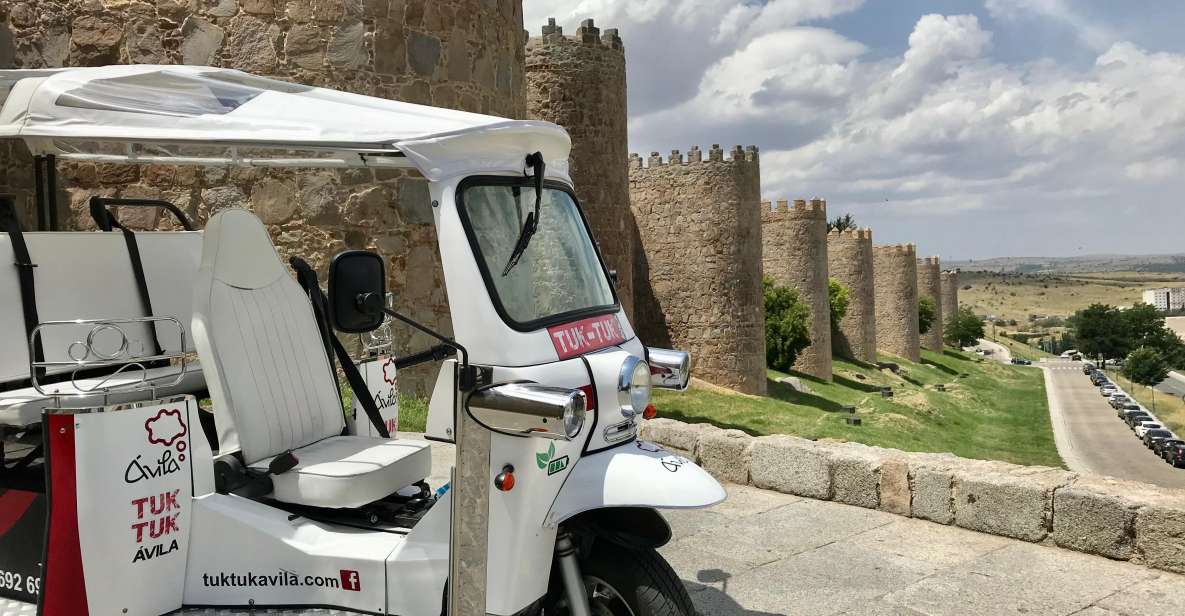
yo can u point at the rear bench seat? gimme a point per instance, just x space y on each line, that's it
89 276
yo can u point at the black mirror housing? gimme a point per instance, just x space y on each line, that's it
357 291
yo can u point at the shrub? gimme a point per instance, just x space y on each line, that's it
926 312
787 325
963 329
839 297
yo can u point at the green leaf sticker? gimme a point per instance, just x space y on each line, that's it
543 458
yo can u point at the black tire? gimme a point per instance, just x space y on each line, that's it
641 577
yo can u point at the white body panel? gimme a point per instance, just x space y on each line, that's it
134 522
640 474
418 568
249 553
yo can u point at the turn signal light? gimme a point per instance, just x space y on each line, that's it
505 480
651 412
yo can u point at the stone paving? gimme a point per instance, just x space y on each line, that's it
762 553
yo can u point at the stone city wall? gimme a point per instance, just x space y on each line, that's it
698 262
794 254
447 53
578 82
849 262
930 285
950 293
896 270
1123 520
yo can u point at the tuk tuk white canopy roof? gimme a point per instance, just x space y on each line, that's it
212 116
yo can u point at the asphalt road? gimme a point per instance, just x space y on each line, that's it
1000 352
1091 438
1174 385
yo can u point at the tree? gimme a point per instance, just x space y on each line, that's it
842 223
787 325
963 329
1145 366
926 312
1101 331
839 297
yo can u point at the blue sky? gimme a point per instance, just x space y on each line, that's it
974 128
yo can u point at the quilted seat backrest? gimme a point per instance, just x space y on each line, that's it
265 365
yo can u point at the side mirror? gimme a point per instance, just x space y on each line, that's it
357 291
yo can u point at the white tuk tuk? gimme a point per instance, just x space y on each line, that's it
118 495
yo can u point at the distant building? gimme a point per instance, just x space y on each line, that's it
1166 299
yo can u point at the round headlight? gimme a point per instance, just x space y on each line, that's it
633 386
574 417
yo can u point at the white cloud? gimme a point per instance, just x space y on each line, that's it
1095 35
943 144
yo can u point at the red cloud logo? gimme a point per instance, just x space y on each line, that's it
166 427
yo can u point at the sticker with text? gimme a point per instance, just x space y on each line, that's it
585 335
547 460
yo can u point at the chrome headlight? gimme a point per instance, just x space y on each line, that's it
574 417
633 386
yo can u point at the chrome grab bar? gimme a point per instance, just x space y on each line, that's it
87 354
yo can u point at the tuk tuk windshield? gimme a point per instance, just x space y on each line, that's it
557 275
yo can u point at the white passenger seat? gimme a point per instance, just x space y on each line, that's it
271 382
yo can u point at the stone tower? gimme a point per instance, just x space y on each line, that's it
896 271
930 285
794 254
850 262
950 294
578 82
698 263
448 53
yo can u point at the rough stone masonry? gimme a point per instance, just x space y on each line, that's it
950 293
578 82
896 271
849 262
794 254
698 268
447 53
930 285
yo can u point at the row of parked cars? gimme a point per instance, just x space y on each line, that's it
1144 424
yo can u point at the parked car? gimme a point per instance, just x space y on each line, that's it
1130 406
1131 418
1107 390
1154 435
1163 446
1144 427
1117 401
1175 455
1021 361
1087 368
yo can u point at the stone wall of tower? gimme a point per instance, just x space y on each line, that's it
896 270
850 262
698 264
794 254
930 285
578 82
458 54
950 294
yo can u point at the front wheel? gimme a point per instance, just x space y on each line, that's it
628 582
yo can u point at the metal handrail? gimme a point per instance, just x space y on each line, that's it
84 355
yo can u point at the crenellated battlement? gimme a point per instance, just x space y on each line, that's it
929 262
799 209
587 34
695 155
900 249
851 234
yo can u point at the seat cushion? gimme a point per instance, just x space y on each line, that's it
22 407
350 471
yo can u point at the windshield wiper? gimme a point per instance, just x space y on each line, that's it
531 225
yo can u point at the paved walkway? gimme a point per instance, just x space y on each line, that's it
761 553
1091 438
1000 352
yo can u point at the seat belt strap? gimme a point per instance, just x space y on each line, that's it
11 224
308 281
106 223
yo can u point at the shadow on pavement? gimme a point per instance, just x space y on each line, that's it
712 601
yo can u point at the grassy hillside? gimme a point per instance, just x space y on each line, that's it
996 412
1016 296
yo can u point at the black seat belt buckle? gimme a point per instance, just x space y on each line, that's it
282 463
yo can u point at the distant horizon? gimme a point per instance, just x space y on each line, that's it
1100 255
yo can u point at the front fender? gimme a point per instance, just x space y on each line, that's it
637 474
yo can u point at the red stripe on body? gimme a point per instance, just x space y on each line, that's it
13 505
63 587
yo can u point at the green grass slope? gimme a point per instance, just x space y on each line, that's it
995 412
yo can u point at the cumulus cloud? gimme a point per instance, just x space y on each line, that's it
941 143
